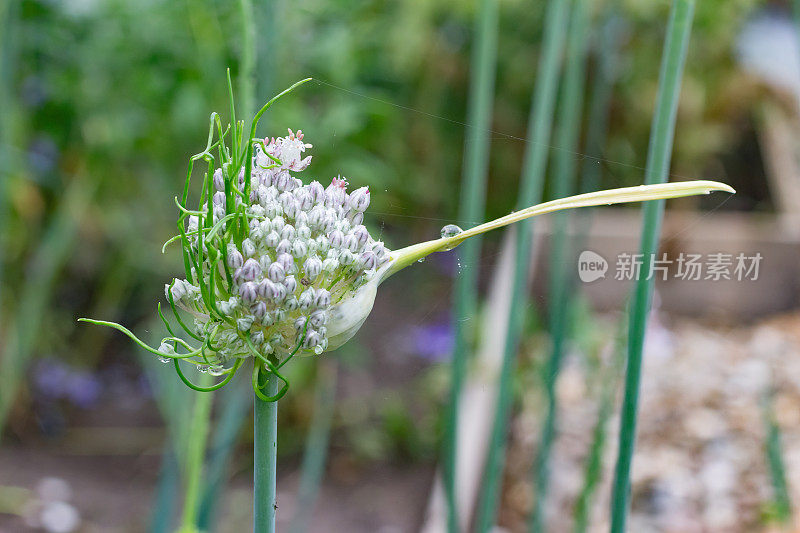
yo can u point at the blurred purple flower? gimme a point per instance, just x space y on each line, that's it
83 389
433 342
49 378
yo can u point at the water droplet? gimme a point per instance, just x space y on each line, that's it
450 230
317 350
163 359
421 260
216 370
202 368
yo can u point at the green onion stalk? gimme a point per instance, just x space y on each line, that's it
276 268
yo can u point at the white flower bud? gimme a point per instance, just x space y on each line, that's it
362 235
248 292
288 232
312 339
218 212
287 261
317 217
300 323
369 260
269 319
312 267
282 181
323 244
355 218
299 248
291 304
301 220
277 223
319 318
178 290
330 265
351 243
245 323
264 261
322 298
304 232
336 238
248 248
316 191
259 310
306 298
255 210
273 209
284 247
359 199
290 282
235 259
304 200
257 337
272 239
276 272
346 257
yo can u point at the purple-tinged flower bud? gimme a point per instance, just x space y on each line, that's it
264 196
259 310
336 238
323 244
248 248
235 259
267 290
218 212
251 270
301 220
241 177
282 180
306 298
272 239
316 191
278 223
303 232
362 235
299 248
312 267
300 323
319 318
335 193
351 243
266 226
359 199
276 272
218 198
322 298
248 292
290 283
193 223
379 249
219 181
284 247
287 261
281 293
245 323
346 257
288 232
255 210
369 260
254 225
238 277
330 265
291 209
304 200
323 331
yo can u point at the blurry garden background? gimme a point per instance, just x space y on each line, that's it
102 102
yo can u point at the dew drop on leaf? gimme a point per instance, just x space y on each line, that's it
450 230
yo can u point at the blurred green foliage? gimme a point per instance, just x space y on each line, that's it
118 94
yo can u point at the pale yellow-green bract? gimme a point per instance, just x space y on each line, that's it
349 315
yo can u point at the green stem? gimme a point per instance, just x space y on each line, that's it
658 159
265 448
539 131
472 207
567 138
316 446
777 468
195 457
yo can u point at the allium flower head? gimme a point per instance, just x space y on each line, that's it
275 265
